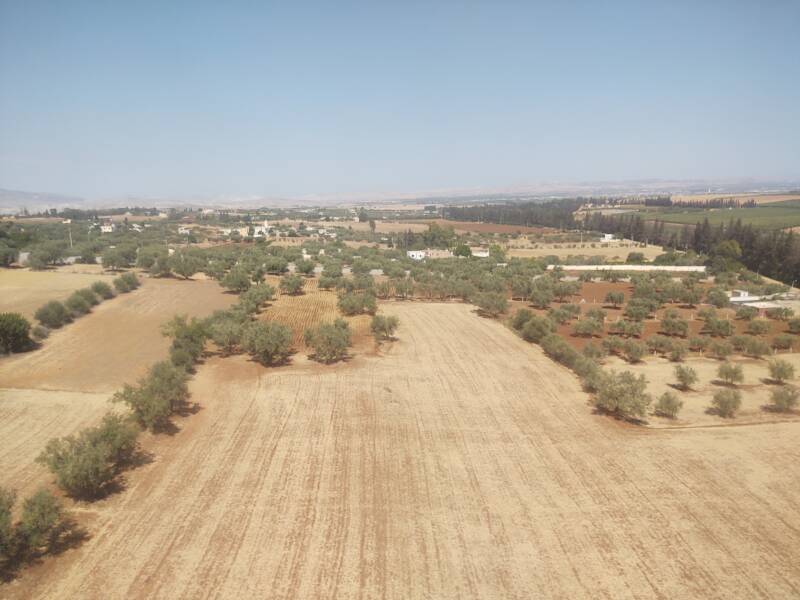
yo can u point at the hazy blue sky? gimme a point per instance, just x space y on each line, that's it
172 98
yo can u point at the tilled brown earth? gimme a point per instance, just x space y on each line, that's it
461 464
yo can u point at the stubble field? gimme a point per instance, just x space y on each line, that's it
24 291
460 464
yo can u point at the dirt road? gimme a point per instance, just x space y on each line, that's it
462 464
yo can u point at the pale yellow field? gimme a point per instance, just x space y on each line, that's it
746 197
564 250
462 463
660 373
24 291
116 342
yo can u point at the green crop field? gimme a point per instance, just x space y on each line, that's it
776 216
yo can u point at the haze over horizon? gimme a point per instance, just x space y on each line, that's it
242 100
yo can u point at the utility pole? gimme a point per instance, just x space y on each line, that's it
69 229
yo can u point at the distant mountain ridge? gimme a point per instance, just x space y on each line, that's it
11 201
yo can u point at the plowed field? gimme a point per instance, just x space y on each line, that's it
461 464
116 343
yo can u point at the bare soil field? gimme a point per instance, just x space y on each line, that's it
114 344
460 464
660 374
24 291
311 308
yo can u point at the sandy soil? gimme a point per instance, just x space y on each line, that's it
24 291
660 374
462 464
116 342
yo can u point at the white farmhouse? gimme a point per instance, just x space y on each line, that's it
416 254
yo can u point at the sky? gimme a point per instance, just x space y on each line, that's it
175 99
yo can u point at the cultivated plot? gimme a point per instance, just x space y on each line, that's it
461 464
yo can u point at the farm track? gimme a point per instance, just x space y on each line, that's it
462 464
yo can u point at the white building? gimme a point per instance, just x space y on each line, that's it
184 231
479 252
607 237
108 228
428 253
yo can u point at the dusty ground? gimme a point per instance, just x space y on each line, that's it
24 291
660 374
462 464
116 343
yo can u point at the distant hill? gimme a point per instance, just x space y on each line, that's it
12 201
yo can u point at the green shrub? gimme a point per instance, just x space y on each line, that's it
383 327
40 522
780 370
730 373
520 318
726 402
77 304
758 327
269 343
102 289
162 392
292 284
53 315
491 303
623 394
782 341
686 376
634 351
668 405
14 333
587 328
536 328
330 341
784 398
355 304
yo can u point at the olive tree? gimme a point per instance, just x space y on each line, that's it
14 333
383 327
330 341
726 402
781 370
269 343
623 394
686 376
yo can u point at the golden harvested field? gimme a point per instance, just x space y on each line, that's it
24 291
745 197
311 308
28 419
563 251
114 344
460 464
